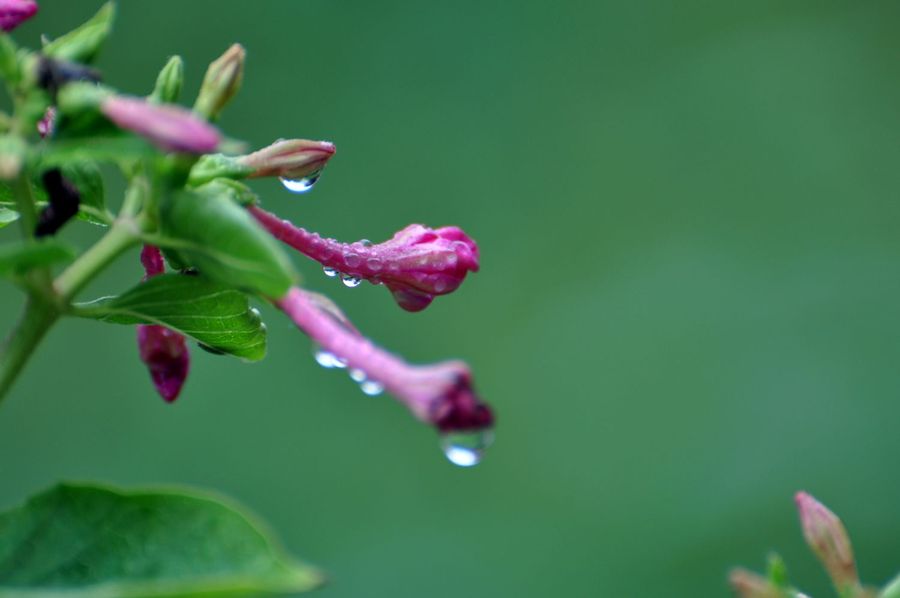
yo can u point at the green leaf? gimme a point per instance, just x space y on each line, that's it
236 191
210 313
87 541
83 43
7 216
110 149
18 258
221 240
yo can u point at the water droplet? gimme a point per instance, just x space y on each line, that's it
365 242
371 387
352 260
440 285
329 272
255 313
327 359
357 375
301 185
374 264
451 260
466 449
350 281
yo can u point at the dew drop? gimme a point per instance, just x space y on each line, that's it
357 375
352 260
440 285
329 272
365 242
350 281
371 387
301 185
374 264
327 359
466 449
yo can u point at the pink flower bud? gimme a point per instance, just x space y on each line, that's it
15 12
416 265
164 351
826 536
47 124
169 127
289 159
440 394
747 584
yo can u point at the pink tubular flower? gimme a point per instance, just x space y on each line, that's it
440 394
15 12
416 265
289 158
164 351
826 536
169 127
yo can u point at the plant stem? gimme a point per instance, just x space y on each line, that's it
25 204
23 339
123 234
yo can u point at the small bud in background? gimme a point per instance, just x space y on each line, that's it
15 12
64 201
222 81
171 128
83 43
826 536
747 584
12 156
169 82
46 125
289 159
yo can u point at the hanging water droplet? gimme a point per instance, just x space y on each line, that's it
329 272
374 264
357 375
327 359
371 387
466 449
350 281
301 185
352 260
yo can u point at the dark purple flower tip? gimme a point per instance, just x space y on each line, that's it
460 409
166 354
15 12
416 264
169 127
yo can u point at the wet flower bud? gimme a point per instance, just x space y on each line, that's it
289 159
222 81
169 82
15 12
416 265
826 536
171 128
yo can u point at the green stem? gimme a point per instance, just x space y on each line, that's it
24 338
892 590
122 235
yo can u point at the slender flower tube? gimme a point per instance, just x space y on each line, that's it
169 127
289 158
826 536
15 12
416 265
440 394
164 351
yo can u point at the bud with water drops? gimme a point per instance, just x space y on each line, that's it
222 81
297 162
15 12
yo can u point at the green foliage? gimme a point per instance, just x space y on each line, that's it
83 43
85 541
106 149
229 246
19 258
208 312
212 166
7 216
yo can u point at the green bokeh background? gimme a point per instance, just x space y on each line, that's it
688 309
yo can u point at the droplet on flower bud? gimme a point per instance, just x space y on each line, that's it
466 449
301 185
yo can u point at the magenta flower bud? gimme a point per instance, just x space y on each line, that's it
826 536
15 12
440 394
416 265
169 127
289 159
164 351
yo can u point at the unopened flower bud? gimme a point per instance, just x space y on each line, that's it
169 82
222 81
747 584
47 124
826 536
289 159
83 43
15 12
169 127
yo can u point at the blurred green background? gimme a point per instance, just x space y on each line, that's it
688 309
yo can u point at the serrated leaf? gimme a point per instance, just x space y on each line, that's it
82 43
7 216
18 258
212 314
221 240
87 541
